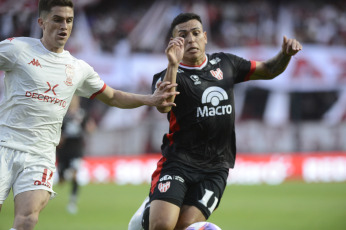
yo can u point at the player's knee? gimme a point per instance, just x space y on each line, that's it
25 221
161 225
183 224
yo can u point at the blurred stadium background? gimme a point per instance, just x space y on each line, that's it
290 128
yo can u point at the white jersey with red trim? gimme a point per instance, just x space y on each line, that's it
39 86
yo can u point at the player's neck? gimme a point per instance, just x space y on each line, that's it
194 62
50 47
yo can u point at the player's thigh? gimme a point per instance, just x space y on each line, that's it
163 214
30 202
189 215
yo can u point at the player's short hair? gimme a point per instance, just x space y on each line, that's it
183 17
45 6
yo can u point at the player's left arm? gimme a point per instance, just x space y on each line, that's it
275 66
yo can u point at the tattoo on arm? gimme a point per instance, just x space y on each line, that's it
277 64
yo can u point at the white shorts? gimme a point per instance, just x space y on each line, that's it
23 172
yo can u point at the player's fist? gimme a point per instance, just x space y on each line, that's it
175 50
291 46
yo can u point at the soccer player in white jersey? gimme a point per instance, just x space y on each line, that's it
40 81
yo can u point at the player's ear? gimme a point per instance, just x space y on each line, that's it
40 23
205 37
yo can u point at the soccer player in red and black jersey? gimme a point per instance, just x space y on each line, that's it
200 147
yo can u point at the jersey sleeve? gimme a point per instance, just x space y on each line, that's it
157 79
8 54
92 84
244 68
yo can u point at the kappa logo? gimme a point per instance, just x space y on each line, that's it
163 187
35 62
10 39
50 88
218 74
214 95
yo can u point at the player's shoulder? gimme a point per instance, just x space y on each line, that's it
220 55
22 41
160 74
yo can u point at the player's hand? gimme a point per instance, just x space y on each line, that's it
163 93
175 50
291 46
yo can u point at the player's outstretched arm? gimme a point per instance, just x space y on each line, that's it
125 100
275 66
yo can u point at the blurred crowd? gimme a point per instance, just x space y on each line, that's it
228 23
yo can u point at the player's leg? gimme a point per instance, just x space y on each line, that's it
136 220
32 190
167 192
202 198
189 215
163 215
27 206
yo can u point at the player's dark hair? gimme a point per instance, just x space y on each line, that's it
47 5
184 17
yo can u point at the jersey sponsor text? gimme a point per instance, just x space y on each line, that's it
46 98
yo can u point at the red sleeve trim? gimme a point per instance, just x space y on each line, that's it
252 69
98 92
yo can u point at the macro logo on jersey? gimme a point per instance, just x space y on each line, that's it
213 95
46 98
218 74
69 75
163 187
35 62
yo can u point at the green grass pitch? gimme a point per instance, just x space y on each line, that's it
291 205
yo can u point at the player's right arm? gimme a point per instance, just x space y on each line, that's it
126 100
174 53
8 54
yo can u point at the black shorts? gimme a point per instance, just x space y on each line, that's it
179 184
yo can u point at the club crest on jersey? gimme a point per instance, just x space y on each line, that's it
195 79
163 187
218 74
69 74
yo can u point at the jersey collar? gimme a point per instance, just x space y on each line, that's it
199 67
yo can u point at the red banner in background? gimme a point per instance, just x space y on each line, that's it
249 169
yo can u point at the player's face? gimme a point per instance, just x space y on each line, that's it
57 27
195 40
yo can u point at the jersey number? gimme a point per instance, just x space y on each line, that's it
208 194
